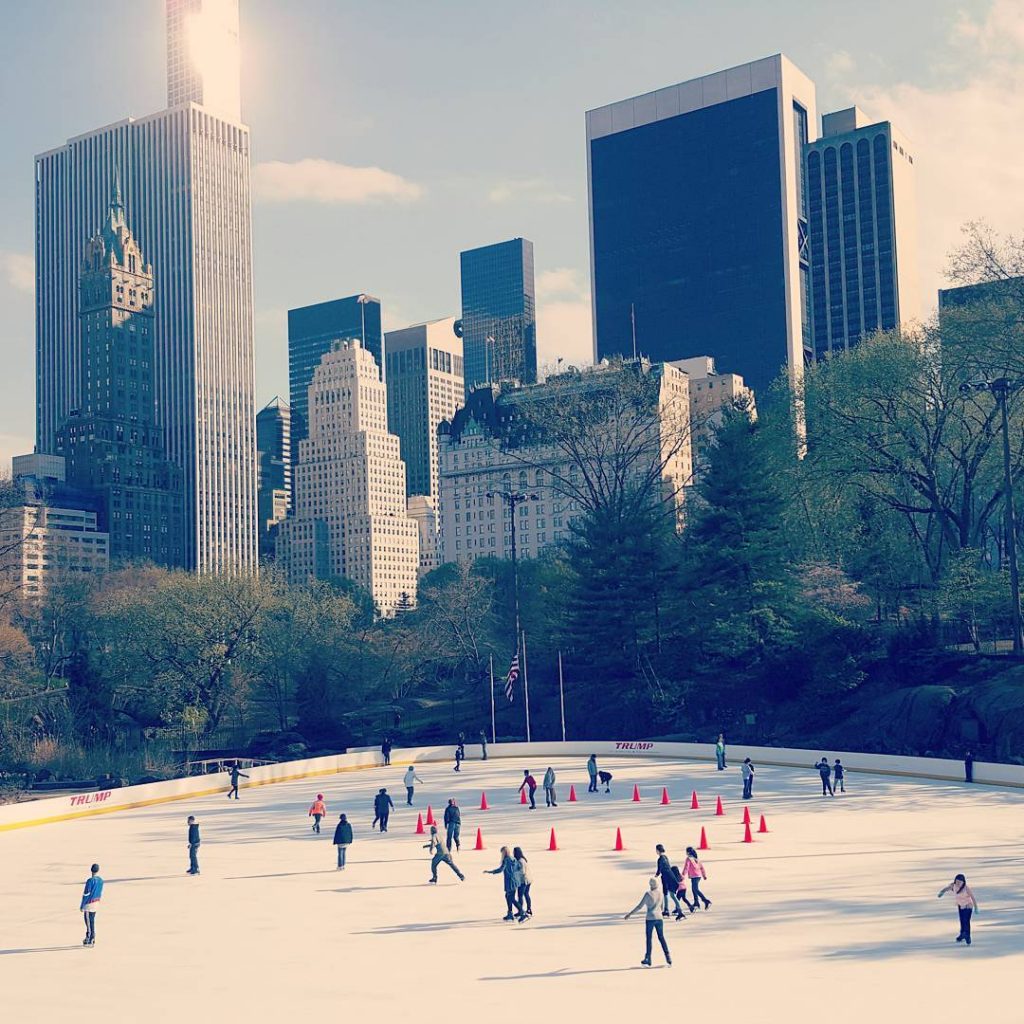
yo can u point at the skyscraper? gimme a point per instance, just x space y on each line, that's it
312 331
425 386
698 232
112 445
499 313
185 178
862 224
351 478
274 477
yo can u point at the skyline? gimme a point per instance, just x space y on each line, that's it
384 200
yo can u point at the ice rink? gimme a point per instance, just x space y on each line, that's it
830 917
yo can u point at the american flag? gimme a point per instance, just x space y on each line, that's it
512 678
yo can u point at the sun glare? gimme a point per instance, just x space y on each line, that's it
213 50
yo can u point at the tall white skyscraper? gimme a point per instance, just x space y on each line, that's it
350 477
185 179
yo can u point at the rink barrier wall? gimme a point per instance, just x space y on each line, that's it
81 805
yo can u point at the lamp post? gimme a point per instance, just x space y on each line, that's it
512 499
1001 388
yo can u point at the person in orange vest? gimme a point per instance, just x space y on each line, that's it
317 812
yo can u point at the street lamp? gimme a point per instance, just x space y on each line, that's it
1001 388
512 499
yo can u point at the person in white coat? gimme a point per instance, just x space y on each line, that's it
525 903
410 779
549 787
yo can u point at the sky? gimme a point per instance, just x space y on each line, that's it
387 137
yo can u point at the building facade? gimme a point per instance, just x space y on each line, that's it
312 332
350 477
112 445
863 227
483 455
422 510
698 220
499 313
712 396
41 543
274 475
425 386
185 177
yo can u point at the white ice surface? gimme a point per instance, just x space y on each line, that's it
830 918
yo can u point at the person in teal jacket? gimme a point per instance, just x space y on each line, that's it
91 896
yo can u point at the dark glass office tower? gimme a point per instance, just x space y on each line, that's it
274 473
698 220
499 313
862 227
311 331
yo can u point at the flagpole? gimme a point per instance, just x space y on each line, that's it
561 693
526 690
494 737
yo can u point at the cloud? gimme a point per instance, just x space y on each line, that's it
535 190
839 65
966 141
564 321
324 181
560 281
19 270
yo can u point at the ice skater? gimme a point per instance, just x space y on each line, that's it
512 876
441 855
193 845
965 905
385 749
969 766
236 774
669 882
483 745
410 779
523 893
825 772
592 772
606 781
317 812
342 840
383 805
696 873
720 752
530 783
839 774
652 923
91 896
748 778
452 824
460 753
549 788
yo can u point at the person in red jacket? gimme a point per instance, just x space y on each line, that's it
530 783
317 812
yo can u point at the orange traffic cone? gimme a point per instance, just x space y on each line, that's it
552 842
430 816
719 809
746 815
618 839
636 794
703 840
747 837
419 824
522 796
572 794
483 802
479 841
694 806
763 827
664 797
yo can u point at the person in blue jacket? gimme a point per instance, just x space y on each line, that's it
91 896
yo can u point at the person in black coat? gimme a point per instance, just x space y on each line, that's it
969 766
669 883
193 846
342 839
385 749
383 805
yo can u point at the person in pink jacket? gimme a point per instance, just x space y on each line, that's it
317 812
694 870
965 905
